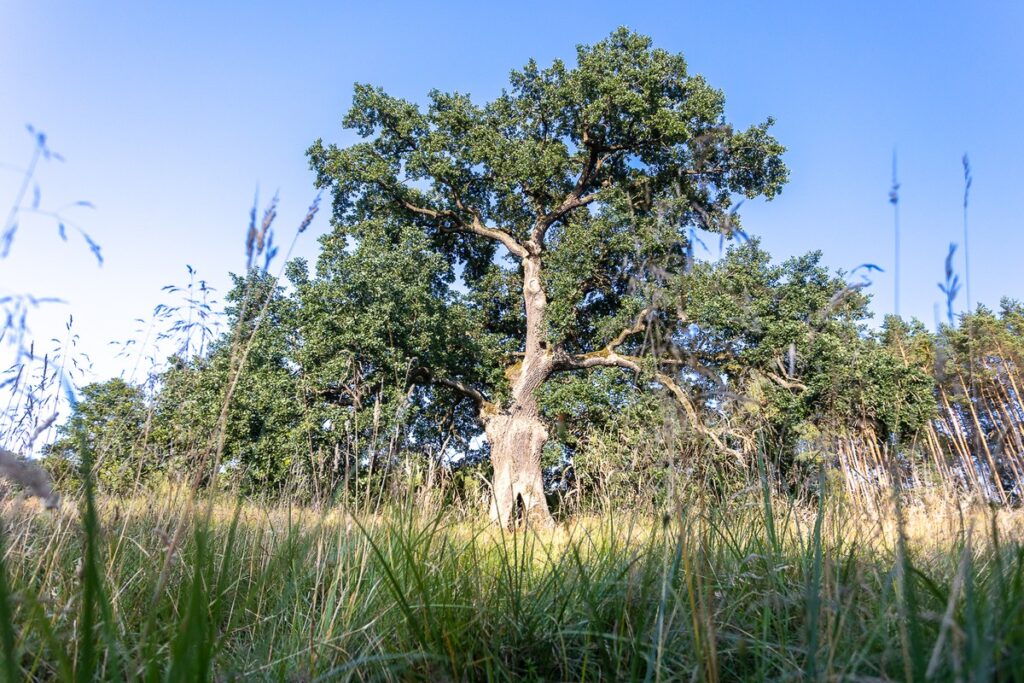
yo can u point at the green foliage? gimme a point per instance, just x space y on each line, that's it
986 345
112 418
260 445
599 171
627 133
781 355
790 340
377 313
336 377
604 171
978 369
609 437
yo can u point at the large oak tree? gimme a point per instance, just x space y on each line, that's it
564 207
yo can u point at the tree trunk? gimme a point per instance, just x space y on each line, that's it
517 441
516 433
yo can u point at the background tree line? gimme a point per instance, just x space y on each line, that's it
526 269
328 404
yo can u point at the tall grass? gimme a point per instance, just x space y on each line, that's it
756 588
973 447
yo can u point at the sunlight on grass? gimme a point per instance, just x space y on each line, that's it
288 593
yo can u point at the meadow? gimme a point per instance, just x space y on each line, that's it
171 587
509 426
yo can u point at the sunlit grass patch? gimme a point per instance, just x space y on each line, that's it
288 593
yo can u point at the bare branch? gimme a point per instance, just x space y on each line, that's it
469 392
608 357
598 359
717 170
691 413
570 203
787 384
474 227
576 199
430 213
611 359
478 228
639 325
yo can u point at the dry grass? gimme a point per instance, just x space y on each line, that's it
734 592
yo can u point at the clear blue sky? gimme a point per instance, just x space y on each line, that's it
171 114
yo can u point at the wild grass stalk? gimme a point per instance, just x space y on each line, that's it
894 199
271 592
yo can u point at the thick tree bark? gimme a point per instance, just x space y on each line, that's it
516 432
517 442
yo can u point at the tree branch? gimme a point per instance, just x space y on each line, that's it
469 392
478 228
611 359
639 325
558 214
598 359
792 385
430 213
474 227
608 357
576 199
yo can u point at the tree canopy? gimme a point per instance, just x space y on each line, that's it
587 179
